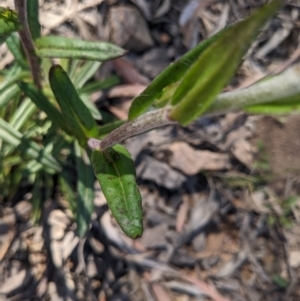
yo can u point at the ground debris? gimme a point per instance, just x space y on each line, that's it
220 197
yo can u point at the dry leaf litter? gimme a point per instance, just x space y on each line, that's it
220 197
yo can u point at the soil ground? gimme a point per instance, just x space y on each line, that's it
220 197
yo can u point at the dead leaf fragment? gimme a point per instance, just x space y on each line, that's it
182 213
191 161
294 259
155 237
15 282
159 172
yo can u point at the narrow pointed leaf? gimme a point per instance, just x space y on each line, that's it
53 46
85 73
77 115
13 79
274 109
8 94
24 111
85 190
14 45
33 18
68 190
216 66
115 172
97 86
28 147
169 76
41 101
91 106
109 127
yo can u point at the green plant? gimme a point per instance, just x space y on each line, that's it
48 136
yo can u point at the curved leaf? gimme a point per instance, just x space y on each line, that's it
24 111
274 109
215 67
85 190
77 115
53 46
14 45
115 172
41 101
33 18
28 147
8 94
169 76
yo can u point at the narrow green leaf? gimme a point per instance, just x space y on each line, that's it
54 46
274 109
36 199
13 79
30 148
8 94
8 23
14 45
91 106
22 114
169 76
85 190
215 67
88 69
109 127
115 172
97 86
68 190
33 18
41 101
74 110
72 68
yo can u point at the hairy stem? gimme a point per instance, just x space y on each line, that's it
140 125
27 41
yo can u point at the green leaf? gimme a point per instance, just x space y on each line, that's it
85 190
115 172
14 45
97 86
30 148
13 79
68 190
33 18
170 76
85 73
24 111
53 46
91 106
8 94
109 127
216 66
37 197
273 109
41 101
8 23
77 115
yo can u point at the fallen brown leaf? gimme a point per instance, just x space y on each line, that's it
191 161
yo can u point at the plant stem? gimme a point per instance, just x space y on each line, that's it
27 42
281 89
140 125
